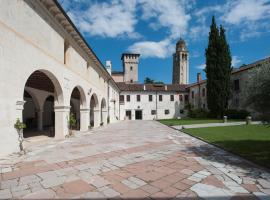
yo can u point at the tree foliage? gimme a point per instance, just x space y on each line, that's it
218 70
148 80
257 91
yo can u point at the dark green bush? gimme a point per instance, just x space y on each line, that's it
197 113
236 114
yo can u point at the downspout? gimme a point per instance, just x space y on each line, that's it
156 107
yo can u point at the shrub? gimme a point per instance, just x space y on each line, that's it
72 121
236 114
197 113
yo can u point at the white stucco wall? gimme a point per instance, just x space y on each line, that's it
32 41
146 106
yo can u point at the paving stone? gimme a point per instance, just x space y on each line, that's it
110 193
137 181
264 183
51 182
9 183
41 194
261 196
93 195
98 181
130 184
29 179
5 194
150 189
211 192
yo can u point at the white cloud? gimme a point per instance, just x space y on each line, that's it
161 49
108 19
202 66
235 61
170 14
246 11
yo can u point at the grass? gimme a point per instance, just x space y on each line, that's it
252 141
188 121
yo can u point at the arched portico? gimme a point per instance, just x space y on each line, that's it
44 89
79 108
94 111
103 112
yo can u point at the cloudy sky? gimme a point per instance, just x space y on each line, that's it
152 27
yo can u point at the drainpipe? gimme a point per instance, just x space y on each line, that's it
156 107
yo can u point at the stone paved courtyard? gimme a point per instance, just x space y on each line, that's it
132 159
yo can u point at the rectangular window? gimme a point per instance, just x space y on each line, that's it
122 98
160 97
172 97
236 85
167 112
186 98
128 98
153 112
138 97
192 94
150 97
131 68
180 97
203 92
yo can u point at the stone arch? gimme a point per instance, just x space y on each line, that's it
77 102
41 84
94 111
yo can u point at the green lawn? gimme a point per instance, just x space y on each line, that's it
187 121
252 141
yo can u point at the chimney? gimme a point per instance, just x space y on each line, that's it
199 77
109 66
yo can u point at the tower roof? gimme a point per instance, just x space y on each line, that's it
129 54
181 45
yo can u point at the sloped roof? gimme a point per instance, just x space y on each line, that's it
151 87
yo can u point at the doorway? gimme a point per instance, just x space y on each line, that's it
128 114
138 114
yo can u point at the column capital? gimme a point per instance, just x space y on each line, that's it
85 109
62 108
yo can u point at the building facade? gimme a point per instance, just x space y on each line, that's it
152 101
47 72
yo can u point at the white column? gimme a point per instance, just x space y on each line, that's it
84 119
61 121
104 116
96 118
40 119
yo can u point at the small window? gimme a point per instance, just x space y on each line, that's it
150 97
131 80
180 97
131 68
186 98
160 97
128 98
236 85
122 98
138 97
153 112
203 92
192 94
172 97
167 112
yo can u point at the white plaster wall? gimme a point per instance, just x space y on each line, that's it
146 106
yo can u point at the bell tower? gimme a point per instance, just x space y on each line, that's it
180 63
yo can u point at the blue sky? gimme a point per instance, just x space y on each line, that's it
152 28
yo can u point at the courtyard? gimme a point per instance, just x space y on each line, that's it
131 159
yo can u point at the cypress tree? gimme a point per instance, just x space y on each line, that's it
218 69
224 70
